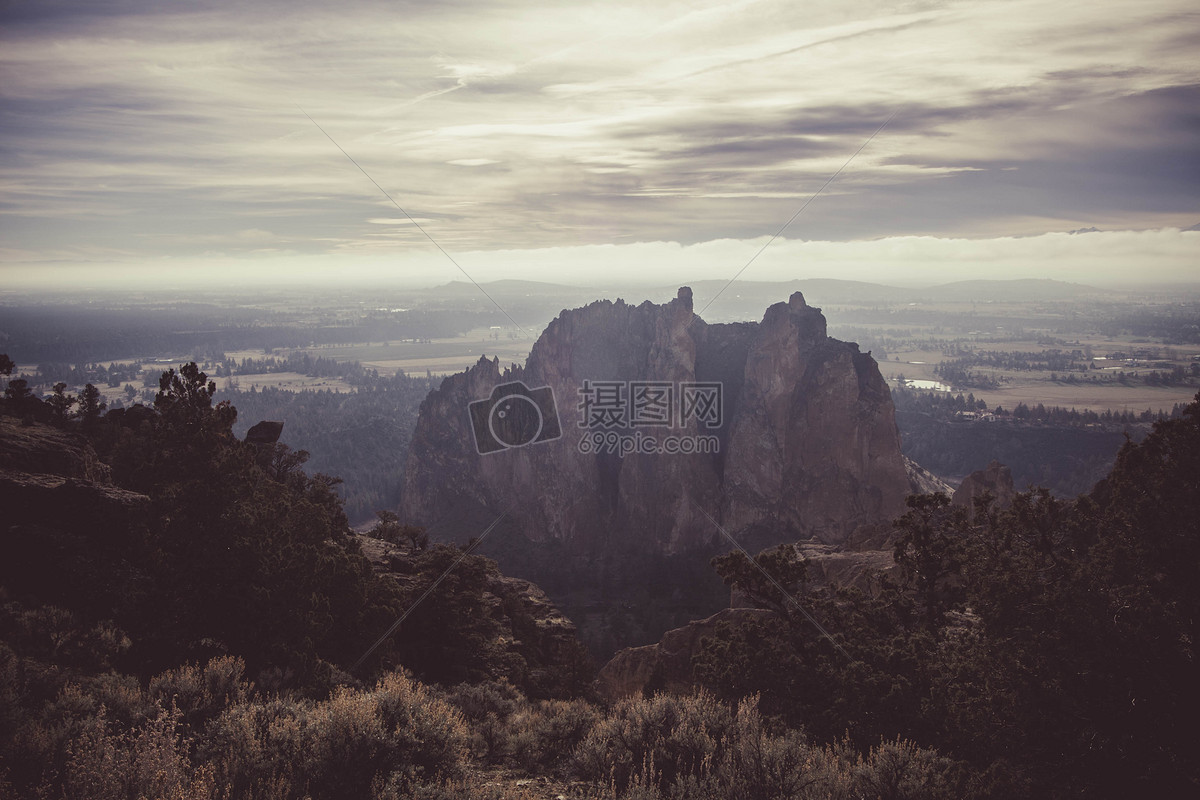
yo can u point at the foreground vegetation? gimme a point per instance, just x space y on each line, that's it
206 645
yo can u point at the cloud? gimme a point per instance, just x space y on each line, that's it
159 129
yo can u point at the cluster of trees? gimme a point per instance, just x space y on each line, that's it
959 375
1044 360
1061 452
1063 367
361 436
303 363
115 374
1172 324
20 401
948 407
1048 646
1177 376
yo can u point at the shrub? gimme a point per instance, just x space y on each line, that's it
666 735
256 749
546 736
900 770
202 693
762 766
488 708
148 761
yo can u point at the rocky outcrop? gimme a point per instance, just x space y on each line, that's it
534 628
42 449
70 503
922 481
50 477
995 479
265 432
63 520
805 444
829 566
666 665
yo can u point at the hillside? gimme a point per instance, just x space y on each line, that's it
183 614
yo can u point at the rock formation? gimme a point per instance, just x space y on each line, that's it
806 442
265 432
60 508
995 479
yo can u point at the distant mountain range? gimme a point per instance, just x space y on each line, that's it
758 294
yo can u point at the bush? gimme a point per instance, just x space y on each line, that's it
202 693
546 736
900 770
488 708
665 737
762 766
357 743
149 761
256 749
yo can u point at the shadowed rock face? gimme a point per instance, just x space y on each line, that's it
994 479
807 440
265 432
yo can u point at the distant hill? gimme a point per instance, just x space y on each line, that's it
506 286
1017 290
741 297
821 291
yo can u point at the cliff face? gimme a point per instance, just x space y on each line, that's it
806 442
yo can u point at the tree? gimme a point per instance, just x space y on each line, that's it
6 364
772 581
185 398
17 394
390 529
91 405
60 402
930 551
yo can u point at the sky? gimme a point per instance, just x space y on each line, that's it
193 143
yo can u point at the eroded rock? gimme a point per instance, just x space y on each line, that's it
807 440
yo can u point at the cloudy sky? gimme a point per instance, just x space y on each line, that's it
577 142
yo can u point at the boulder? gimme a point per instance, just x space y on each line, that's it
265 432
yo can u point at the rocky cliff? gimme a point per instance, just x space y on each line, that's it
805 444
62 515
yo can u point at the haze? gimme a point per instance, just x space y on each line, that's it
165 145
